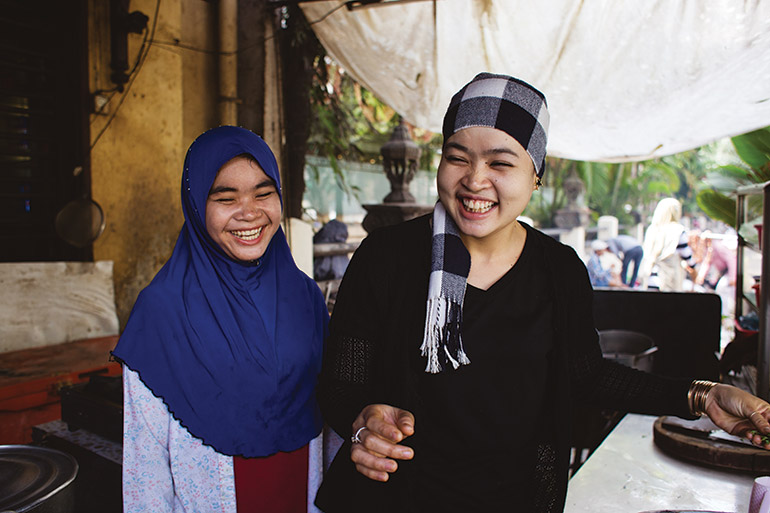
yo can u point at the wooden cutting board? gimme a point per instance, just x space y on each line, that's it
697 448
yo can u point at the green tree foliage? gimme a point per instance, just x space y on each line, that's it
623 190
717 197
550 198
350 123
628 191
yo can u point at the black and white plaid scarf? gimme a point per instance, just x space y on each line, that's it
450 265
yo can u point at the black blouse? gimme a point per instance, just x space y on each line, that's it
475 449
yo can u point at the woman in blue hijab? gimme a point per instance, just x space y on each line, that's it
222 350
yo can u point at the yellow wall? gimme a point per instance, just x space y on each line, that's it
136 164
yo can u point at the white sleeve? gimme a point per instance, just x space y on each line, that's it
685 251
147 480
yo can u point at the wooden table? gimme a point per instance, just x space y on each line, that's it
31 380
629 474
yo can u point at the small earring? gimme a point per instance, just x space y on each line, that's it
538 183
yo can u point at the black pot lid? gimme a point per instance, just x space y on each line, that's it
30 475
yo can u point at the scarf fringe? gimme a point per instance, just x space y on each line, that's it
443 334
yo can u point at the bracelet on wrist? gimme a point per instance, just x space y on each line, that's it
698 394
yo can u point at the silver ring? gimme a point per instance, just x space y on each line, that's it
753 413
355 438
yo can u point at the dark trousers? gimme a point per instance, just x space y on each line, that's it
632 255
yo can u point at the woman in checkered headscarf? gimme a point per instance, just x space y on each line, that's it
460 340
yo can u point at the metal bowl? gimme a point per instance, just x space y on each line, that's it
36 479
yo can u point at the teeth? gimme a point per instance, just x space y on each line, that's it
477 206
247 234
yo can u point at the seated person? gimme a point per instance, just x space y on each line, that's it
603 266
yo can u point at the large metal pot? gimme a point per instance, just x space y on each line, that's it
36 479
631 348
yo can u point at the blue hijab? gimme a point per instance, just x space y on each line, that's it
233 348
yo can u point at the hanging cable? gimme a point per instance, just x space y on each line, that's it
144 50
332 11
176 43
148 41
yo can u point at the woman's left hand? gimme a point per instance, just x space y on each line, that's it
740 413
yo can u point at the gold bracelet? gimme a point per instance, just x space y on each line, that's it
699 398
698 394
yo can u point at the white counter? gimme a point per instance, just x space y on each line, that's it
629 474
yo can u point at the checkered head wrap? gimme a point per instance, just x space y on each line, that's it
505 103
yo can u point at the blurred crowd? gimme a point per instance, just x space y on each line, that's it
670 258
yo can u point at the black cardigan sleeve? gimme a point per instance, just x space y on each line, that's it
344 383
608 384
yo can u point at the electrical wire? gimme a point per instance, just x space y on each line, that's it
144 50
98 111
178 44
332 11
148 41
116 89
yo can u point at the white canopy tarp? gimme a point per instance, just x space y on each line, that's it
624 79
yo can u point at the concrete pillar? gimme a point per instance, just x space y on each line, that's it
576 239
300 238
608 227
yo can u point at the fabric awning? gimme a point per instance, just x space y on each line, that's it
625 80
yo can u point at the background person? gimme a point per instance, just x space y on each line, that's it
330 267
719 269
666 249
603 266
222 350
460 340
628 249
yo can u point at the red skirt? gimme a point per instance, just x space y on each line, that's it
277 483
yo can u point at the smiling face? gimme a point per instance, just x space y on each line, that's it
243 210
485 180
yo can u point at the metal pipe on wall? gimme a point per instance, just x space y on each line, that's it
228 62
